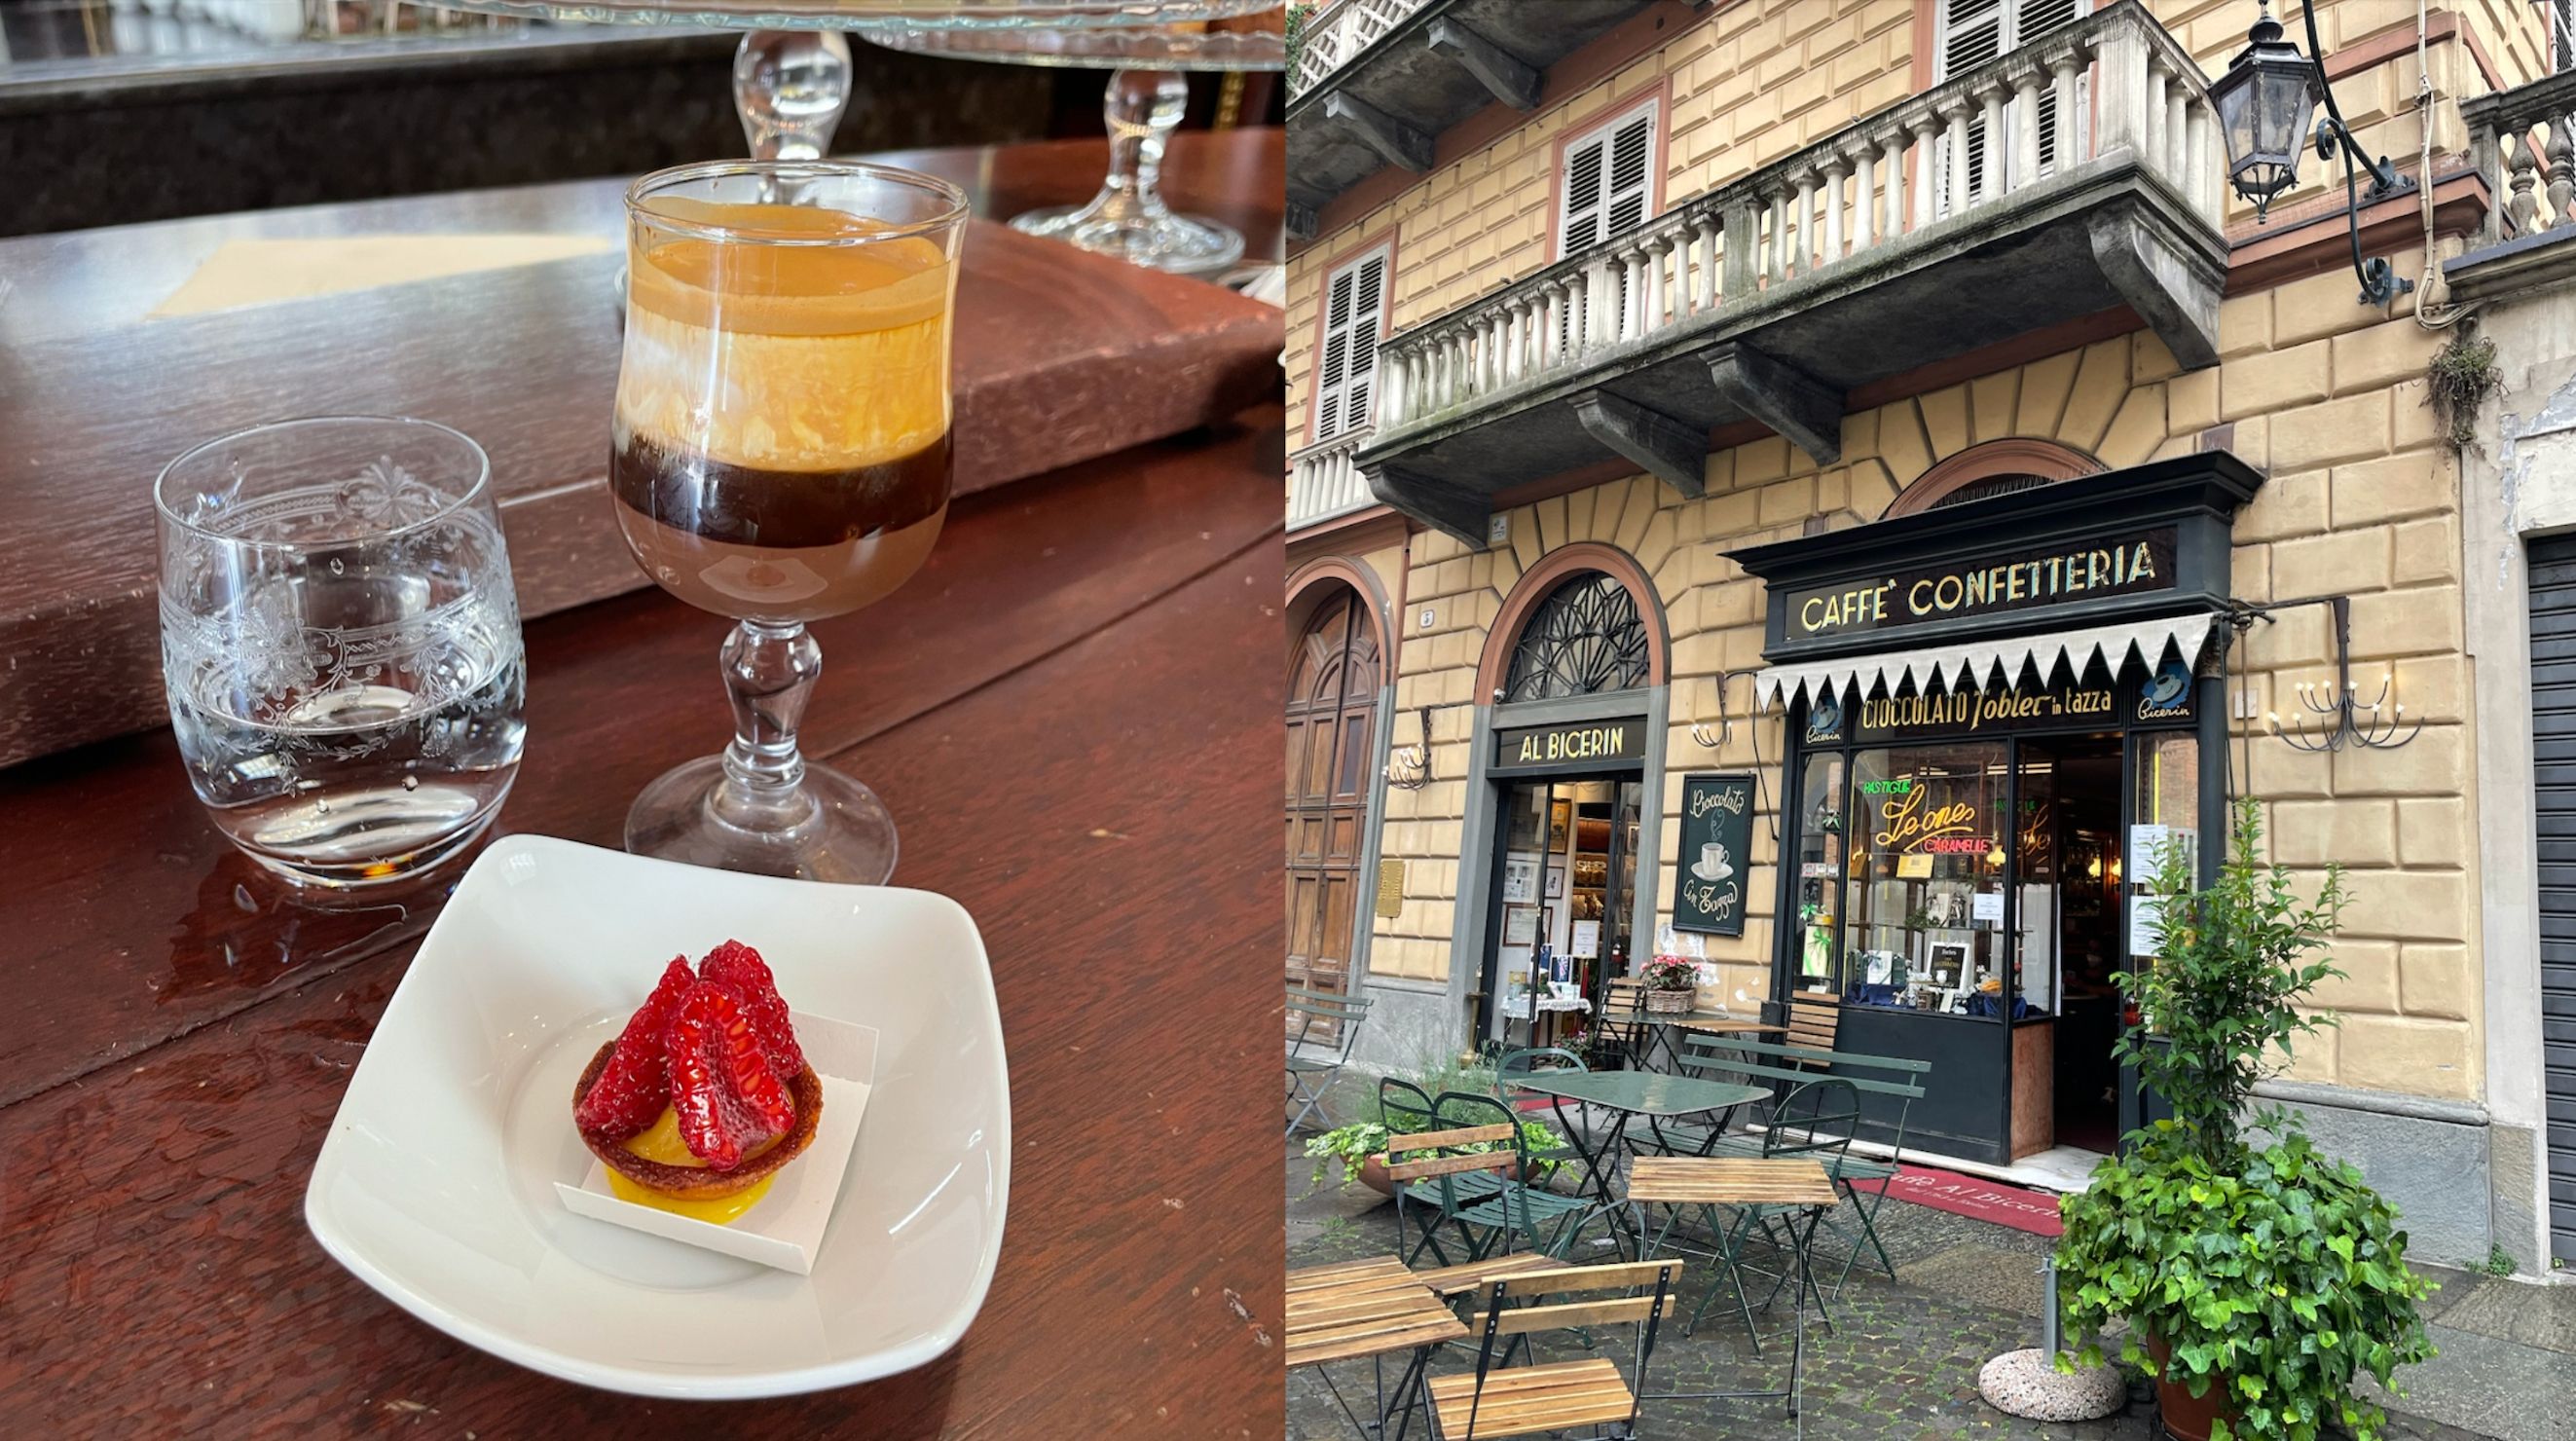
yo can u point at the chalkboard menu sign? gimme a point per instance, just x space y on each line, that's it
1717 851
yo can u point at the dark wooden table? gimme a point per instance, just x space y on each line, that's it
1073 712
1061 357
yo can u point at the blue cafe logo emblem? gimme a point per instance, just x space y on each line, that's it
2167 693
1825 718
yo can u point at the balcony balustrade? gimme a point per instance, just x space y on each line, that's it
2074 175
1334 34
1323 483
2523 143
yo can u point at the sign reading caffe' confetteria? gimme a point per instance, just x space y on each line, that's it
2023 580
1607 743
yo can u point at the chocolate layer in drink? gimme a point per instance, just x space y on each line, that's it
778 545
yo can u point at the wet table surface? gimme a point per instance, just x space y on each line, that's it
1073 713
1643 1093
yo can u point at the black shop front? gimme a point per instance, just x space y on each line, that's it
1999 712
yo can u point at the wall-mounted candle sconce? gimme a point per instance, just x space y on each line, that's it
2332 714
1699 731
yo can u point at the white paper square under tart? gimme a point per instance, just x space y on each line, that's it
785 1230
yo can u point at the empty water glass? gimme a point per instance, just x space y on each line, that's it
340 643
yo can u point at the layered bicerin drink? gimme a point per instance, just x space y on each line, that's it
781 436
780 455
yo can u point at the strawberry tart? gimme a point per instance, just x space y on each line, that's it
705 1095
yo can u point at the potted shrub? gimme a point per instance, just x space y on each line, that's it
2259 1281
1672 985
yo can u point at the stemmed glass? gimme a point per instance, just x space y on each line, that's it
780 455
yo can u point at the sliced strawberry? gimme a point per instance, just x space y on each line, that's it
740 967
716 1066
749 1069
634 1086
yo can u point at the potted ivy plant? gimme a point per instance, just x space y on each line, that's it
2260 1278
1672 985
1360 1147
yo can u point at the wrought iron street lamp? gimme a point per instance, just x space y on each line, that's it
2263 103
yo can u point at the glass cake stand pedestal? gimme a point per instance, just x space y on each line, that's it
792 76
1146 96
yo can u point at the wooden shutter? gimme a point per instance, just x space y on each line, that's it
1609 190
1632 153
1346 371
1609 181
1973 32
2562 35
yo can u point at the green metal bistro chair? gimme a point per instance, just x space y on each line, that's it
1898 1078
1315 1059
1440 1174
1587 1398
1545 1220
1815 1120
1511 1094
1402 1106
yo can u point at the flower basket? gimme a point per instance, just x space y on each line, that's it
1670 1003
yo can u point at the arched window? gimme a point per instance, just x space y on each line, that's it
1586 636
1998 467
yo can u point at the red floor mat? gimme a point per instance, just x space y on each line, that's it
2014 1206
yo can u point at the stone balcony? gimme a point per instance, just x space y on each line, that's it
1378 80
1864 256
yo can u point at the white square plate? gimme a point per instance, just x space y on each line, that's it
436 1184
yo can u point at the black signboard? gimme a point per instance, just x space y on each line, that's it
2162 695
1717 850
1973 712
2052 573
1608 743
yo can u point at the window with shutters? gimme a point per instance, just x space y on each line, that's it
2562 35
1608 184
1967 34
1346 368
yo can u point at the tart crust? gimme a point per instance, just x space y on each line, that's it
697 1183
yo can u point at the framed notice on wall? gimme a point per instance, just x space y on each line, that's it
1717 850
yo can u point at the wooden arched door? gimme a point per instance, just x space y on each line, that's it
1333 676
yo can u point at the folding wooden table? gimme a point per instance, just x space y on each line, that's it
1366 1310
1797 1184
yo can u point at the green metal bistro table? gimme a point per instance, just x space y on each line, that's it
1655 1095
1706 1023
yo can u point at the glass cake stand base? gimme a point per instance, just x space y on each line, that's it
1183 244
1141 108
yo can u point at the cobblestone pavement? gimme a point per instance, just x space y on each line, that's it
1899 1363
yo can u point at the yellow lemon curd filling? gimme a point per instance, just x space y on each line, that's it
819 356
661 1142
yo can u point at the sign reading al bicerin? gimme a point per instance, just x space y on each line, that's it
1923 594
1610 742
